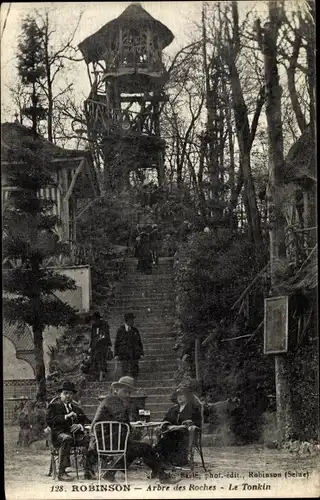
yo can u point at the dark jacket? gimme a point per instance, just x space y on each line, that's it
128 345
95 333
56 418
112 409
190 412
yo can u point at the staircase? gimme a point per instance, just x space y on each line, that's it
151 299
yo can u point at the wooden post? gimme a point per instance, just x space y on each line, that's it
65 205
276 218
196 358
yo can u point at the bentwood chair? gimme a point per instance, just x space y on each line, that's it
111 445
195 443
195 440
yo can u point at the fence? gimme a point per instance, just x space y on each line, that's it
15 391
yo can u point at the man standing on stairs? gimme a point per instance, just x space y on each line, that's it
128 348
100 345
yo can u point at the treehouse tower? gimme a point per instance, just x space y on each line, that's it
127 77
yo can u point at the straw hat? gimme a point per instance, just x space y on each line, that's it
124 383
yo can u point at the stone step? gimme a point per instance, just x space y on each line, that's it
148 319
149 383
94 389
153 291
146 309
137 302
146 381
158 349
151 399
163 261
141 294
160 271
158 365
159 288
157 327
153 341
156 414
162 266
159 398
158 407
156 285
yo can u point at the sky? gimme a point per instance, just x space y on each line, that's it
180 17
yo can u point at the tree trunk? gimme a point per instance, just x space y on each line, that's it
40 366
291 73
49 81
243 129
243 135
34 101
276 218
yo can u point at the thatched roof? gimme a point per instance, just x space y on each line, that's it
93 48
12 137
300 163
306 278
309 279
13 134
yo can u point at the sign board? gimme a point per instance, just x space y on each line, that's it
276 325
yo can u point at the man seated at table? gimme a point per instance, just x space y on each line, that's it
179 421
115 408
66 420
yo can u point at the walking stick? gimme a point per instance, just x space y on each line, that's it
75 451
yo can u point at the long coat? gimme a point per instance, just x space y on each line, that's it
99 330
189 412
112 408
173 444
128 345
55 417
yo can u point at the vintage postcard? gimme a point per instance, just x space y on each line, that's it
158 183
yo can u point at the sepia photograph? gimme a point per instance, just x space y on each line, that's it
159 250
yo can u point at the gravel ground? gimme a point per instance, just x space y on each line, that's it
233 472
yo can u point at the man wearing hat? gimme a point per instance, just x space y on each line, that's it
128 347
115 407
100 345
66 420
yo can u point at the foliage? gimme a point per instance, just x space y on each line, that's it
29 239
219 267
305 385
31 67
66 357
45 63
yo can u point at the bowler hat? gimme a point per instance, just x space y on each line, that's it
129 315
68 386
124 383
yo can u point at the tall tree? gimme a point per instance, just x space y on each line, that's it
269 41
42 62
28 241
31 68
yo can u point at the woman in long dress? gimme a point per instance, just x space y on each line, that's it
173 443
144 253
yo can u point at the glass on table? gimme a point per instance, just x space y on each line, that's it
142 416
147 416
